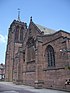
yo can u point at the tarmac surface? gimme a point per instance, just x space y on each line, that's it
9 87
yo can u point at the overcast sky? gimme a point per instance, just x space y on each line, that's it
54 14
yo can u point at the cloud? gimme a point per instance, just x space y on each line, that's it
3 42
3 39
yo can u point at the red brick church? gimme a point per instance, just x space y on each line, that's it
37 56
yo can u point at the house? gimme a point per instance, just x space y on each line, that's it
2 71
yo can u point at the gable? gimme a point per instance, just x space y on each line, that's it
33 29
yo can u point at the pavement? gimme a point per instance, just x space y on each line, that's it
31 89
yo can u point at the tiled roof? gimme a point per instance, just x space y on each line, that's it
45 29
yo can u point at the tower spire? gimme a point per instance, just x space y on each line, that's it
18 14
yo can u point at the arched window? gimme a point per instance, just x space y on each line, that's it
51 56
17 33
30 49
31 42
21 34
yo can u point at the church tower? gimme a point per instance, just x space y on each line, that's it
16 36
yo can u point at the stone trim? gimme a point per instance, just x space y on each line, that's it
54 68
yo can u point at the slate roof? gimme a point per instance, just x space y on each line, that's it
45 29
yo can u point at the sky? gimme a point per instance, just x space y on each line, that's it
54 14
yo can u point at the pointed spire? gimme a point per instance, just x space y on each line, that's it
31 19
18 14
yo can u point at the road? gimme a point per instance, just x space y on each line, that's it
6 87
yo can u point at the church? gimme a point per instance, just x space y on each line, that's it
37 56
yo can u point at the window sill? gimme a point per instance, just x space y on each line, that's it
52 68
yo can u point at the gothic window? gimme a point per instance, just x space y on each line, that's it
17 33
30 49
30 42
21 34
51 56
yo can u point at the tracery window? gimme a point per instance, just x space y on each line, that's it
51 56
